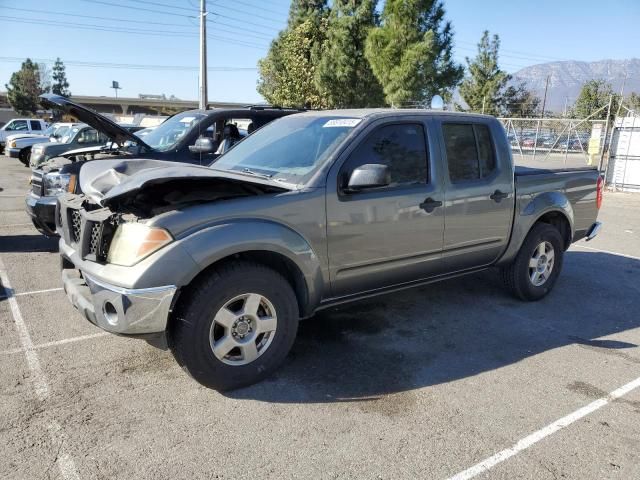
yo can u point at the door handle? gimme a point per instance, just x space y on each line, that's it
497 196
430 204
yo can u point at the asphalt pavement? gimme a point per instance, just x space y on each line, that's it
455 379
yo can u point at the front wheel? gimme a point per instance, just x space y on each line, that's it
534 272
235 326
24 155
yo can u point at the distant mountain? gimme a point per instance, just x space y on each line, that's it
566 78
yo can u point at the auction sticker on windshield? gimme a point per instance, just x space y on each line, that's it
342 122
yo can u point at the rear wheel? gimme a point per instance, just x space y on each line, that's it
235 326
534 272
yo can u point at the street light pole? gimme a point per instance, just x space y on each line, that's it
203 56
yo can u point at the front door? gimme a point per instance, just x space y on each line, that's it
387 235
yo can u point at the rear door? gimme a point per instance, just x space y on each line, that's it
390 235
479 191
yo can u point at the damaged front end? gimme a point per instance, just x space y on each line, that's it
147 188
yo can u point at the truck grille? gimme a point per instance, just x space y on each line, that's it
76 225
36 183
90 232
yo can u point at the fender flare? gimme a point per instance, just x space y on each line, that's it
223 240
530 213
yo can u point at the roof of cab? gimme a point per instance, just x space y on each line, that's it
382 112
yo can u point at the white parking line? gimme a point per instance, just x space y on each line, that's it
16 225
58 342
64 461
605 251
33 292
535 437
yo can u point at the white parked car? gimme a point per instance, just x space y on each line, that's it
19 146
22 126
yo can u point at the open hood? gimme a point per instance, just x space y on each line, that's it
111 182
101 123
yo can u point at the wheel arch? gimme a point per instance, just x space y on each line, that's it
552 208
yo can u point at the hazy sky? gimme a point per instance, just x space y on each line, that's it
87 34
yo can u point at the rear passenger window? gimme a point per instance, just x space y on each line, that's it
470 153
35 125
401 147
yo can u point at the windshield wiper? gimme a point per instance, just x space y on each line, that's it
257 174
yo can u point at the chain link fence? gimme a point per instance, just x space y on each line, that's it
555 142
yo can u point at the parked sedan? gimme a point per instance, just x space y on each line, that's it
19 146
79 136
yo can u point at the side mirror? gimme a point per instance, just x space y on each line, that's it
371 175
203 145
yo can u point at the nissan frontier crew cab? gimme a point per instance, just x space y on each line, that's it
312 210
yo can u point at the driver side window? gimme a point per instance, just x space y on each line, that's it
401 147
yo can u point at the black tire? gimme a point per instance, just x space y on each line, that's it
191 324
516 276
24 155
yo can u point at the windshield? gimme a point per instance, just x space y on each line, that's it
289 149
58 131
67 136
168 133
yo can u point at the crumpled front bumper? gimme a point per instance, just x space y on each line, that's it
119 310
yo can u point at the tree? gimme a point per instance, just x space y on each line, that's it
410 53
633 102
595 95
288 72
301 10
282 70
520 102
45 77
24 88
484 89
60 84
343 71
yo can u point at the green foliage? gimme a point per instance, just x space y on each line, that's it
24 87
595 94
343 71
485 88
288 71
60 84
520 102
410 53
633 102
302 10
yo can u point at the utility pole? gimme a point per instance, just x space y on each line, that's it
544 101
203 55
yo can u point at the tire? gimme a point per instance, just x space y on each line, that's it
224 294
520 276
24 155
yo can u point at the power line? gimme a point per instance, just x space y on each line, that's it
239 20
128 66
129 31
257 6
137 22
270 19
139 8
164 5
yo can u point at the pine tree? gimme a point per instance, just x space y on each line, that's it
301 10
594 95
281 71
484 89
24 88
343 72
60 84
293 84
520 102
411 52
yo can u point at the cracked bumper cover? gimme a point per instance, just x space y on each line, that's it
119 310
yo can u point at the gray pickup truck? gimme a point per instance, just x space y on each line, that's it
312 210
